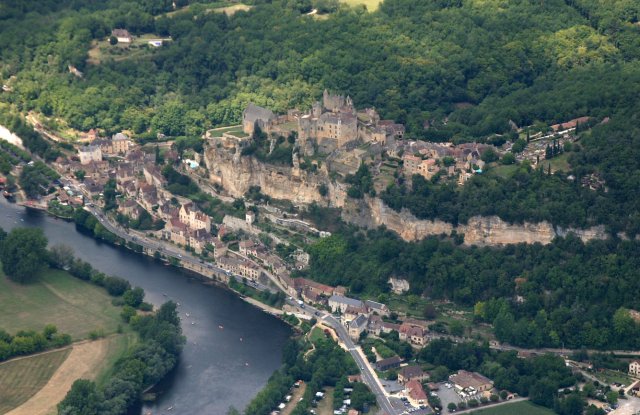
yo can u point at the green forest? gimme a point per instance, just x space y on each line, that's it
567 292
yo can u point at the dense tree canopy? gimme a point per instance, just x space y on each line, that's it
534 295
23 253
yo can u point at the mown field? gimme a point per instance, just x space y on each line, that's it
520 408
20 379
74 306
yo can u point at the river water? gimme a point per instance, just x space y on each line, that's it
232 347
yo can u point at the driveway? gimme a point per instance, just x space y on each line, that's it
629 406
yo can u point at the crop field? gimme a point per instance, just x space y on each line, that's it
20 379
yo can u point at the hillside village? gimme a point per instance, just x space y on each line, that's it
140 186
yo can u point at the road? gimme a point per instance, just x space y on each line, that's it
166 249
369 376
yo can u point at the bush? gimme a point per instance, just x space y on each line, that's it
494 397
127 313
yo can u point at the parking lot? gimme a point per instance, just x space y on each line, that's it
447 395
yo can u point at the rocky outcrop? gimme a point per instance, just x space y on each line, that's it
373 212
7 135
237 174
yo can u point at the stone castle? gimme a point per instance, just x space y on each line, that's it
327 126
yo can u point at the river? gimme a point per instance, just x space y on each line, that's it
232 347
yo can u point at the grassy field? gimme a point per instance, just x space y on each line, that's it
316 335
21 379
609 376
117 347
74 306
234 129
520 408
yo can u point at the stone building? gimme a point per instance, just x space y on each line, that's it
89 153
254 115
194 219
330 125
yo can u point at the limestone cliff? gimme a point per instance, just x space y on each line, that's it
372 212
237 174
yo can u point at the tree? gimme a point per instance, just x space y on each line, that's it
429 311
133 297
489 155
80 175
361 396
61 256
452 406
508 158
23 253
612 397
82 399
439 374
113 40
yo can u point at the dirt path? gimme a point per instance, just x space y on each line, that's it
295 398
81 363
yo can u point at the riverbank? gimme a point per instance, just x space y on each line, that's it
211 374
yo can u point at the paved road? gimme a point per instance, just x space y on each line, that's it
167 249
369 377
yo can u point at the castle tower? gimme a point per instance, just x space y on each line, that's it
316 109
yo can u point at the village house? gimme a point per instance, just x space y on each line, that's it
89 153
94 188
193 218
414 335
389 363
219 248
120 143
412 372
130 208
199 239
357 326
176 232
303 285
124 172
122 35
249 247
464 380
351 313
634 368
148 197
374 307
416 394
338 303
153 176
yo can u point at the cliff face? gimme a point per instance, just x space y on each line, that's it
372 212
237 174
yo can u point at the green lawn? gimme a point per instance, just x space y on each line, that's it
234 129
74 306
21 379
609 376
520 408
316 335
